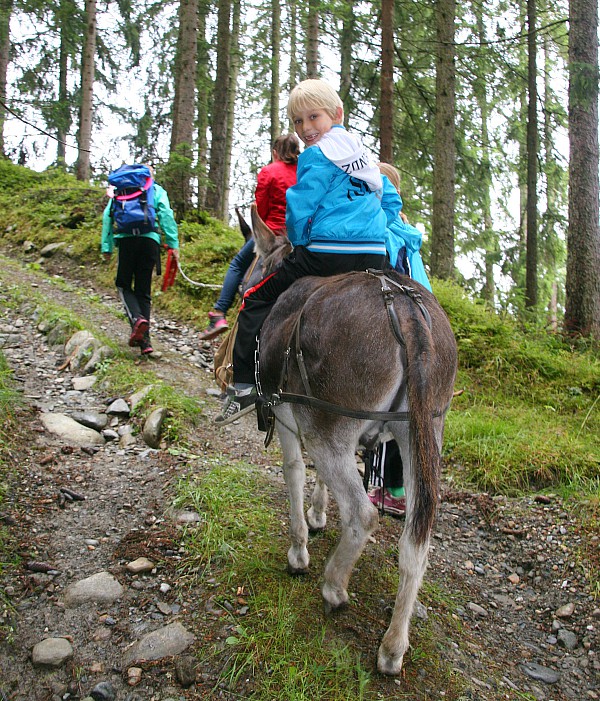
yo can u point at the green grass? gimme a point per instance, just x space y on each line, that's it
283 644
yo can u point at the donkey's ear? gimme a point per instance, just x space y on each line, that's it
264 238
244 226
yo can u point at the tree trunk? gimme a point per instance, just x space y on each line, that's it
231 95
489 240
386 104
184 109
5 13
63 122
84 140
203 83
312 39
532 154
216 176
442 220
347 44
275 119
582 313
293 25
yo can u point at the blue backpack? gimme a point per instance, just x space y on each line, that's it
132 208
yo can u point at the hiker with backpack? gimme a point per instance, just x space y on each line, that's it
138 206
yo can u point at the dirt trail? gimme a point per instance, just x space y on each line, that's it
526 623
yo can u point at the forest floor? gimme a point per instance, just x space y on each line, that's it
526 625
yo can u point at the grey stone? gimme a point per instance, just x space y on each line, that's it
542 674
49 250
153 427
164 642
139 396
77 339
91 419
81 384
142 564
70 430
100 353
82 353
52 652
118 407
99 588
104 691
567 639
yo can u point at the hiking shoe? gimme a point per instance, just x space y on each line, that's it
217 324
146 346
236 404
395 506
138 331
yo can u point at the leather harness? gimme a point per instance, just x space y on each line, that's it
265 404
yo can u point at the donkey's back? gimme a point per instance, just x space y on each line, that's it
360 343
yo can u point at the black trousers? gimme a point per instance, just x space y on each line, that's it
258 303
138 257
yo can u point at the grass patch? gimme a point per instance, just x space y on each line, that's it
283 646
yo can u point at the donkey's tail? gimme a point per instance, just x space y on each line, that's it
421 360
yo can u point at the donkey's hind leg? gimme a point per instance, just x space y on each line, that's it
337 467
294 474
413 562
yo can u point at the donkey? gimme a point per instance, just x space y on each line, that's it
353 353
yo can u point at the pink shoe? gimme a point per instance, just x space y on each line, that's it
217 325
139 330
395 506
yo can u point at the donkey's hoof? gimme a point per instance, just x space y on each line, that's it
316 520
389 664
334 599
329 609
296 571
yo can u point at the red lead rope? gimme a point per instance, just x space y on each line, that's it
170 271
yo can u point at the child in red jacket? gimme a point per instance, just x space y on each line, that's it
272 183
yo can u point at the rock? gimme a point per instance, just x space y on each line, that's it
567 639
49 250
134 676
142 564
52 652
104 691
100 353
477 610
78 339
153 427
139 396
82 353
70 430
99 588
164 642
185 670
514 578
565 611
91 419
118 407
542 674
82 384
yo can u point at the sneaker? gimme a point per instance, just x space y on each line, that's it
237 403
146 346
395 506
140 328
217 324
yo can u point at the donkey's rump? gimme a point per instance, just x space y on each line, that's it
348 346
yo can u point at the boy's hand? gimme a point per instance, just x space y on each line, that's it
175 253
106 255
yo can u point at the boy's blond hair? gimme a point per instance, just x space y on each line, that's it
314 94
391 174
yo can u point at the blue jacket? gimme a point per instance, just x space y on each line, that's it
402 235
329 211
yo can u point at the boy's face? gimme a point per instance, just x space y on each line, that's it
311 124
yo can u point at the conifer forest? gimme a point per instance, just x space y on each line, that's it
488 108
